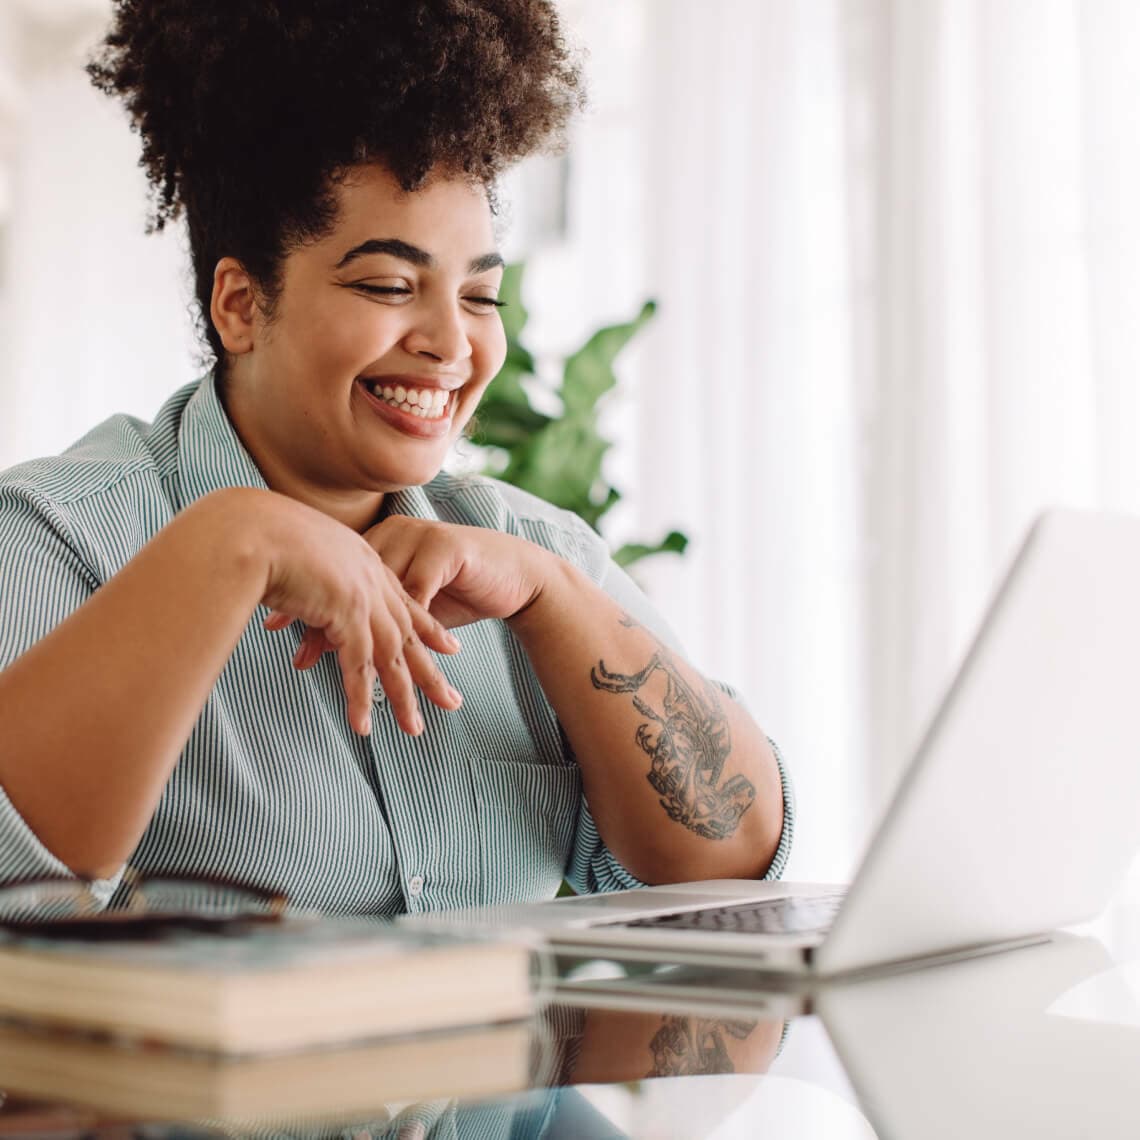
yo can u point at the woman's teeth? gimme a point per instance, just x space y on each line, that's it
427 403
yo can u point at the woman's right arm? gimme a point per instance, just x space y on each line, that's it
94 716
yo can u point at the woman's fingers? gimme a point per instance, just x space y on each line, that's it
406 664
314 644
424 577
431 631
396 680
423 556
357 674
428 676
377 631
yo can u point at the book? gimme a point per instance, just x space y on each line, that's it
341 1084
243 986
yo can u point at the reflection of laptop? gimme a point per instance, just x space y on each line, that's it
1025 1044
1018 813
989 1048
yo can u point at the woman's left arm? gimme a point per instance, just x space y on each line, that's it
681 782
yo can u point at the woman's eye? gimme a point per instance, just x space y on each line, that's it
384 290
398 291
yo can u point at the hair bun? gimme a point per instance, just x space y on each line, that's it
249 110
469 84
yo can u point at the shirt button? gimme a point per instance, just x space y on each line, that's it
416 886
378 694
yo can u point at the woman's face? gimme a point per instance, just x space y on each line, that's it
384 338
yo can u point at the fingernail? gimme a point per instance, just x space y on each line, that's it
453 640
417 724
455 695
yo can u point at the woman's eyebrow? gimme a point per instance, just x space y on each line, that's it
405 251
487 261
394 247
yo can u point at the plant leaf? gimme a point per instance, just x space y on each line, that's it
507 387
593 512
514 313
506 424
673 543
562 464
589 373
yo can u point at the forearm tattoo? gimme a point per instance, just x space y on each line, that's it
687 743
694 1046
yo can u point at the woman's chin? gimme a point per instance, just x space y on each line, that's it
414 473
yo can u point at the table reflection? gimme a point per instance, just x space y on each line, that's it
1041 1042
563 1046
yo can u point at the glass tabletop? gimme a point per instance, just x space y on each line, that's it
1042 1041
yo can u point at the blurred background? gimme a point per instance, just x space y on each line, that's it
896 250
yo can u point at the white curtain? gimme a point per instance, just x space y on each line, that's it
1007 255
749 405
897 249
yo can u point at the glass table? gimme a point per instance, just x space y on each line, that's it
1038 1042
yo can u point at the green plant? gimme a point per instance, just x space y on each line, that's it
558 457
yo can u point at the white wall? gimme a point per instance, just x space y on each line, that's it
95 311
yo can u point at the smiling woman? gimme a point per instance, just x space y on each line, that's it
412 311
243 603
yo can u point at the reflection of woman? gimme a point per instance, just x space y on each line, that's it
334 161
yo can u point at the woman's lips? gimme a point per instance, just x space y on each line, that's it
426 425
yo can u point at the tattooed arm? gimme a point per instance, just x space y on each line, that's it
681 782
621 1045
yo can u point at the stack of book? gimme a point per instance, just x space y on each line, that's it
320 1018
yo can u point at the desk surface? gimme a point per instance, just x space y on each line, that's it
1041 1042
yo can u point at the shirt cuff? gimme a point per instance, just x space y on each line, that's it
780 859
593 868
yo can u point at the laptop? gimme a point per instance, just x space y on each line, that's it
1018 813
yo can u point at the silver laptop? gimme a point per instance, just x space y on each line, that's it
1018 814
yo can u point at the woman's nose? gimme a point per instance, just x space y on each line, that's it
440 334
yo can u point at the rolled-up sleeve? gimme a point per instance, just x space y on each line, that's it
593 869
42 580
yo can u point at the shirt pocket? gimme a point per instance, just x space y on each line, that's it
527 816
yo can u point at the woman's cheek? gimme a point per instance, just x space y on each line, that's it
496 349
344 335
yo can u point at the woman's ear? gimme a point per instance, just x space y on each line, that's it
233 305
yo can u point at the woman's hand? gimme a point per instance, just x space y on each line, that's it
327 576
461 574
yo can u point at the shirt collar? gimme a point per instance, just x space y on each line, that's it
210 455
413 502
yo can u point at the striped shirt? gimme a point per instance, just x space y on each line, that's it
273 788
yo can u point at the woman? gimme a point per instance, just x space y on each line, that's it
219 632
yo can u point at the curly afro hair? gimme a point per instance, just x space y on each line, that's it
250 111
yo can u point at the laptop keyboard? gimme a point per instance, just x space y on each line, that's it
770 916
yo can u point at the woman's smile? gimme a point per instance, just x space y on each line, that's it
419 410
